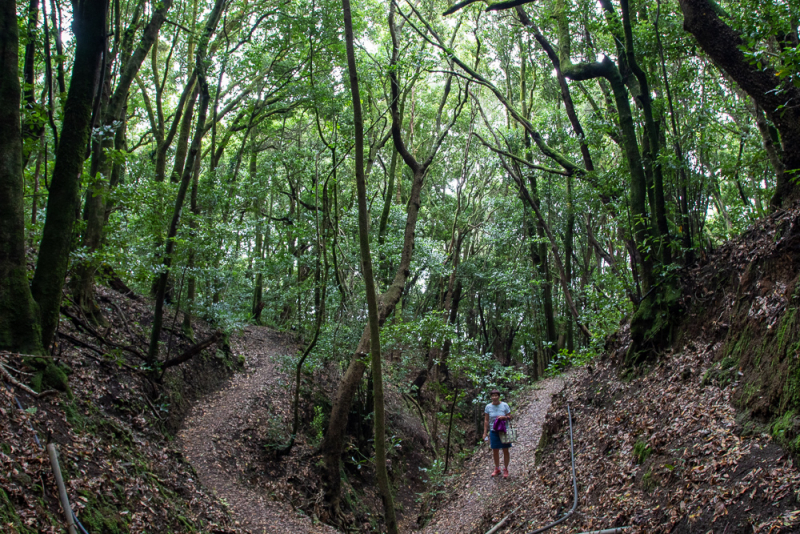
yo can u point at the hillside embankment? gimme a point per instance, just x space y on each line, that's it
111 421
114 424
705 438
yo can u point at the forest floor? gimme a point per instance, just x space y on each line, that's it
468 497
663 450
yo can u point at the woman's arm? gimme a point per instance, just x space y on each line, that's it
485 425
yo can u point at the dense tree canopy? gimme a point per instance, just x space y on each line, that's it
534 172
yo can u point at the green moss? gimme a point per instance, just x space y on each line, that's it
786 323
49 376
99 515
641 451
724 373
188 526
9 516
653 323
791 390
735 347
748 393
55 377
648 482
786 430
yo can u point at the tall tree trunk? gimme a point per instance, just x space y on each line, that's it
770 143
539 255
62 203
568 246
652 142
114 116
369 280
388 197
652 322
55 18
32 123
183 138
186 102
191 286
161 287
19 325
258 288
608 70
683 179
333 443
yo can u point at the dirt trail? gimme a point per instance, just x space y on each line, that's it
207 434
476 491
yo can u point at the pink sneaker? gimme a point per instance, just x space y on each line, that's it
505 473
496 471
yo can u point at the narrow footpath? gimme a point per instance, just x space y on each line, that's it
208 433
475 491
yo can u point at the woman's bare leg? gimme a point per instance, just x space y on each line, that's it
496 454
506 458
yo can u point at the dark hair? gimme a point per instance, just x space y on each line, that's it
494 391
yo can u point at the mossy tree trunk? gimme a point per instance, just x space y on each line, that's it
19 324
651 323
89 24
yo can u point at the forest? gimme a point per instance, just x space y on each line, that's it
430 200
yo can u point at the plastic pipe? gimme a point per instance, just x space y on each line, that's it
62 491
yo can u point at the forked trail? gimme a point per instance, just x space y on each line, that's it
209 433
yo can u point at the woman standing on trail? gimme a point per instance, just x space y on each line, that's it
495 411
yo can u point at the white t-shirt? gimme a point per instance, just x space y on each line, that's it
496 411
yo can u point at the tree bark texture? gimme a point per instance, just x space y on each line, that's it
89 25
19 324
